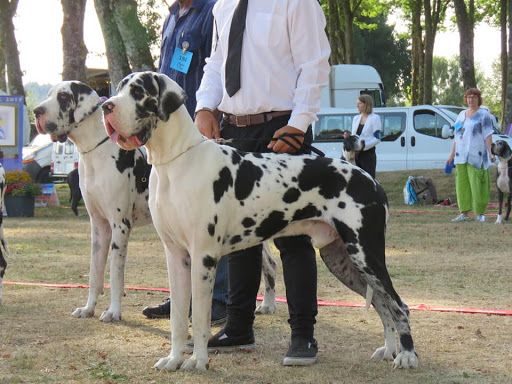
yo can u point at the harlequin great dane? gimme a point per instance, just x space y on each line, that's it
114 184
3 262
113 181
351 145
208 200
503 177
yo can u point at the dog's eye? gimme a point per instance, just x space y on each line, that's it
137 93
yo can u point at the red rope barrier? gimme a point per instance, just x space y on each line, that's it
420 307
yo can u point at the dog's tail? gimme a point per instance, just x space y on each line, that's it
369 296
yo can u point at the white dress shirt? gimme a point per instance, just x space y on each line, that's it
284 63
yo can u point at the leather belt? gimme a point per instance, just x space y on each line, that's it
246 120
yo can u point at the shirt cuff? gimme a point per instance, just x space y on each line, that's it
301 122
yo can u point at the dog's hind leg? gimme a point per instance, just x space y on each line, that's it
269 276
100 241
509 200
3 266
340 265
499 218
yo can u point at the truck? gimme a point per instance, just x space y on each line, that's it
348 81
417 137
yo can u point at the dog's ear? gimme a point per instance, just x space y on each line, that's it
86 100
507 152
171 96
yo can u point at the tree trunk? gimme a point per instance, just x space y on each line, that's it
10 47
3 73
135 37
429 54
334 31
504 63
508 109
73 46
417 52
466 26
348 22
118 65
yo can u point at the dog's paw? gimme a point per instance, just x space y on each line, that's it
83 312
499 220
193 364
264 309
406 360
169 363
110 316
384 353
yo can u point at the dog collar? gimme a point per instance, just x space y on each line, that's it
97 145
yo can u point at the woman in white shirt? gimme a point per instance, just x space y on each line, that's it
368 127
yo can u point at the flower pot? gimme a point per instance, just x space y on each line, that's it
19 205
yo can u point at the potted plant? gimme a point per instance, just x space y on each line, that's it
20 194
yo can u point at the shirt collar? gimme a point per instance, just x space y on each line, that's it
199 4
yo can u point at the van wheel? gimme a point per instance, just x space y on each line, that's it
44 176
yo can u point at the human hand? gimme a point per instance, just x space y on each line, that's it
279 146
207 124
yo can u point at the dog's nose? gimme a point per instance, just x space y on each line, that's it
107 107
38 111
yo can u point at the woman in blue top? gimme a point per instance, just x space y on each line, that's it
367 126
471 153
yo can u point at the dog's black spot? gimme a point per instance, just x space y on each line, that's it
186 263
211 229
364 190
248 222
247 232
235 157
406 342
125 160
209 262
222 184
342 205
291 195
114 246
319 173
127 223
346 233
272 224
307 212
258 155
247 175
235 239
141 171
215 219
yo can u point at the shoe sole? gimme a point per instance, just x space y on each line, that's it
228 348
219 321
299 361
157 316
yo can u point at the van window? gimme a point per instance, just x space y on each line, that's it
331 127
59 148
393 125
375 95
69 147
429 123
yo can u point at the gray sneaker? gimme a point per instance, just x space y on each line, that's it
302 351
460 217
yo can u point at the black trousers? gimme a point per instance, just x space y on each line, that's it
367 160
297 256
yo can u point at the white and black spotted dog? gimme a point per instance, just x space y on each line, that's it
351 145
208 200
3 262
503 177
113 181
114 185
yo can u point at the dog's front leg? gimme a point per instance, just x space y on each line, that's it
100 240
178 268
499 219
204 269
119 249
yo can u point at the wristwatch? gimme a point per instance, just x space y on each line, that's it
202 109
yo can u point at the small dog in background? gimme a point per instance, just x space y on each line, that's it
3 263
74 190
503 177
351 145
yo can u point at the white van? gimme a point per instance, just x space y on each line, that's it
348 81
64 159
419 137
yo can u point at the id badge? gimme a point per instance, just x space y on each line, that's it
181 60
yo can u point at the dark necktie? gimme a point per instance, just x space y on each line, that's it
236 34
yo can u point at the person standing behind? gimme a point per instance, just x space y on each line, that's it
270 85
367 126
186 43
472 156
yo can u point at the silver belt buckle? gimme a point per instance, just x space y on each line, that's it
242 125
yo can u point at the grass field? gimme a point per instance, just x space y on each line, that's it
431 261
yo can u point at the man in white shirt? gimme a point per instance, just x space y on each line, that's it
283 67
